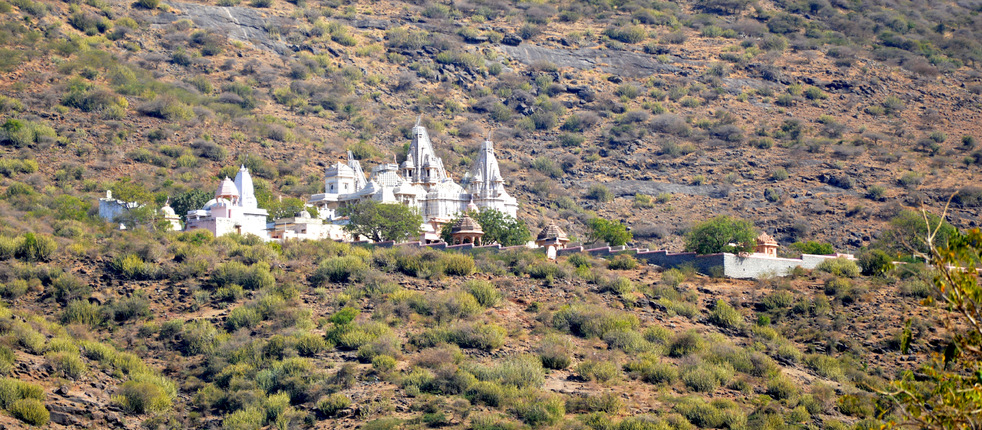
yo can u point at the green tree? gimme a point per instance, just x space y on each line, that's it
612 232
498 227
908 234
814 248
189 200
128 191
721 234
382 221
946 391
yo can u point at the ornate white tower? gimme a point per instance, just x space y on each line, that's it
247 193
486 186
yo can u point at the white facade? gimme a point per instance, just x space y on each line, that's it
110 208
233 210
420 182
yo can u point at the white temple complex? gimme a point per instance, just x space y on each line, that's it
420 182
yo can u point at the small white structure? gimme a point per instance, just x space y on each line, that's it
110 208
171 217
233 210
303 226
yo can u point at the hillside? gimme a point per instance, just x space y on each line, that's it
186 331
817 120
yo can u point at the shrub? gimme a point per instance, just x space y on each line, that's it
700 379
716 235
12 390
814 248
67 364
338 269
556 352
30 411
485 292
725 316
874 262
542 409
589 321
249 418
148 4
623 262
685 343
601 371
652 370
782 388
600 193
839 267
332 404
458 264
36 247
606 402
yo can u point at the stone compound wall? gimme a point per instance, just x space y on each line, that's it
724 264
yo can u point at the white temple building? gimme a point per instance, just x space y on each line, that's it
233 210
420 182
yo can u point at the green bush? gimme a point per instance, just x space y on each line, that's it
457 264
332 404
623 262
701 379
67 364
725 316
148 4
556 352
485 292
601 371
874 262
841 266
686 343
782 388
338 269
650 369
12 390
31 411
36 247
591 321
599 193
542 409
249 418
146 393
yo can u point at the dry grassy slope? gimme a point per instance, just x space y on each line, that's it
861 329
942 104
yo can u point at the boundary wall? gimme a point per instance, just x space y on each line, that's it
723 264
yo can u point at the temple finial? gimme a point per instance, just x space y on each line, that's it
419 119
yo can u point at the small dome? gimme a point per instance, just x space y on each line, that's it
168 211
466 224
552 232
471 207
227 189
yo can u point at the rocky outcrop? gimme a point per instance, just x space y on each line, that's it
238 23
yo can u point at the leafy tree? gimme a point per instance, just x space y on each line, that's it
908 232
721 234
814 248
498 227
382 221
128 191
612 232
874 262
189 200
945 393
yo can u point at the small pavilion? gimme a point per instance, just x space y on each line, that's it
466 230
766 245
552 238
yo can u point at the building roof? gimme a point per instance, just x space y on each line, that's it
552 232
466 224
227 189
766 239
